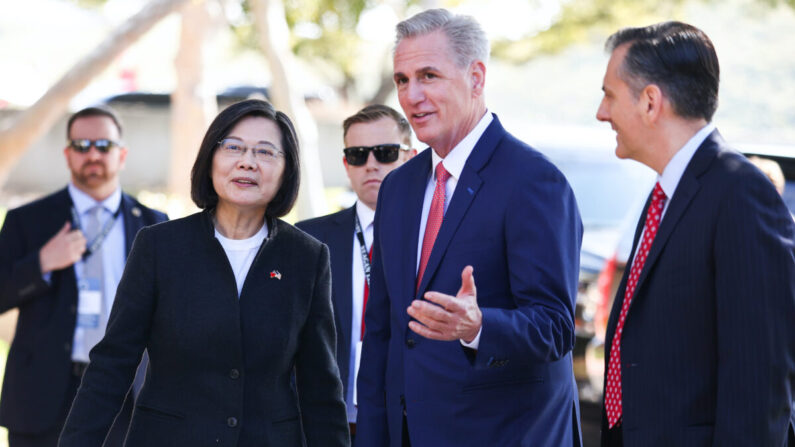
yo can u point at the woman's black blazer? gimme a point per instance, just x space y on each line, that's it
220 368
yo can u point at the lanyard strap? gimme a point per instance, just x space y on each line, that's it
94 245
363 249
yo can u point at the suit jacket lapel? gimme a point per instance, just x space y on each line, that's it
415 194
64 213
340 245
133 221
685 191
465 191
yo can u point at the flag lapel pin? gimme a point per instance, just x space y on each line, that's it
275 274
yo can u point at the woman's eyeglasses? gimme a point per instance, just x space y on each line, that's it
262 152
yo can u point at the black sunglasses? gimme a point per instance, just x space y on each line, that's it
84 145
384 153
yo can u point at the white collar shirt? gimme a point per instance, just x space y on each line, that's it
675 168
454 164
673 171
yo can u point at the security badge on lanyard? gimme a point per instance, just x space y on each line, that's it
366 267
89 286
89 303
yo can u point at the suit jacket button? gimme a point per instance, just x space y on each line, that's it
73 309
67 347
231 421
411 343
234 374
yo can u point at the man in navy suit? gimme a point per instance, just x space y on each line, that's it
444 363
61 258
377 140
701 341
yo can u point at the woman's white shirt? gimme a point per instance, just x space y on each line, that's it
241 253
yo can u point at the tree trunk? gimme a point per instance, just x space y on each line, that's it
274 35
193 103
38 118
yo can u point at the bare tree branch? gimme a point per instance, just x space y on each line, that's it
38 118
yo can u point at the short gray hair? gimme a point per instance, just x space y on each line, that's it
466 37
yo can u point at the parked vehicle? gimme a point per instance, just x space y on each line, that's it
610 193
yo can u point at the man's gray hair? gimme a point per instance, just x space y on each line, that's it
467 40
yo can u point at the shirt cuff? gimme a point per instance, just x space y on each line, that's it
47 277
474 343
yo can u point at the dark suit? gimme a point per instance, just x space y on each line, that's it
337 232
220 367
512 217
36 393
708 345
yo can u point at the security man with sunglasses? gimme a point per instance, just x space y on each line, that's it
377 140
61 258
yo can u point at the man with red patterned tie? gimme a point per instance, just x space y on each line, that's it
444 363
700 345
377 140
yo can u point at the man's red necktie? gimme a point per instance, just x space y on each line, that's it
613 390
435 216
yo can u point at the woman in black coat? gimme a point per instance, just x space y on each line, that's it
233 306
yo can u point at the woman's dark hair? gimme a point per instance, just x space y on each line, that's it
679 58
201 185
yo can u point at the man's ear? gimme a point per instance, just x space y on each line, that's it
477 73
122 156
651 103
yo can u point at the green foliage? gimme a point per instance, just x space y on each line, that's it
583 20
325 30
773 3
320 29
330 14
335 21
90 3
